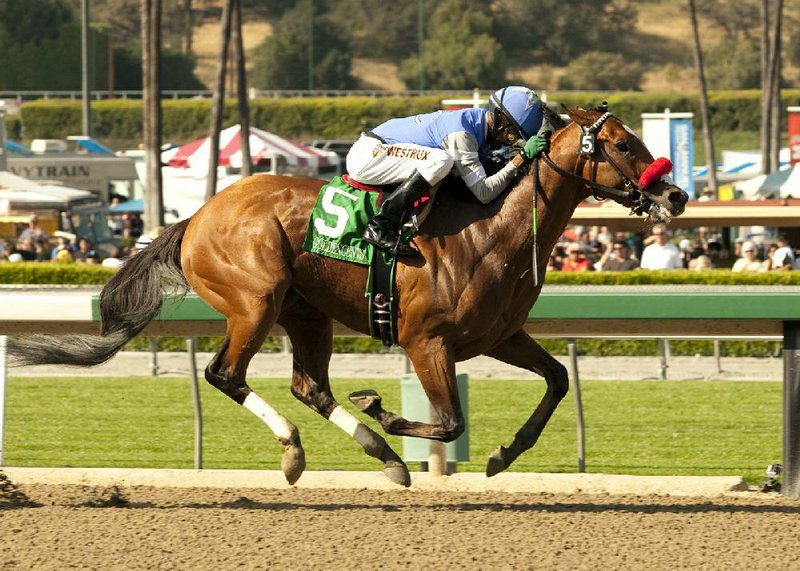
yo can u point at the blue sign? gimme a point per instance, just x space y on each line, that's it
681 136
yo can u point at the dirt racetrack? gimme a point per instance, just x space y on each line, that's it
140 527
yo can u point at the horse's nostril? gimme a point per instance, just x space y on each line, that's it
678 196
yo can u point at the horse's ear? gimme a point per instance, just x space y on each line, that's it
578 114
569 111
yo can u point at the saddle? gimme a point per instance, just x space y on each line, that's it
418 212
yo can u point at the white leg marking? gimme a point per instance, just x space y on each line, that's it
281 427
344 420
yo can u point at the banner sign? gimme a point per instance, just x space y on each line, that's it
672 135
682 153
794 134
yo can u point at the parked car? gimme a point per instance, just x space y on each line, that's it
338 146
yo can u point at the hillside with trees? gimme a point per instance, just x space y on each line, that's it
609 45
554 45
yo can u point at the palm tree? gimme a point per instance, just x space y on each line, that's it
150 11
218 104
708 140
241 89
770 85
188 26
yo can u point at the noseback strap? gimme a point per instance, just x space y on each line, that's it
655 171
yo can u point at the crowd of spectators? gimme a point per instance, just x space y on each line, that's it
34 244
583 249
579 249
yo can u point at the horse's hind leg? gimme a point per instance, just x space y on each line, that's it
311 333
227 370
524 352
436 370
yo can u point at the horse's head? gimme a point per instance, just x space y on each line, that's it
614 163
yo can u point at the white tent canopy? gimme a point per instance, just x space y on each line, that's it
267 150
19 193
187 165
781 184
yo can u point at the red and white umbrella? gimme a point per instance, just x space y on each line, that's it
265 148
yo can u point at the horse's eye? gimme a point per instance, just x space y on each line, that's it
622 146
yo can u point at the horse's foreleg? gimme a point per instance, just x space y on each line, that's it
436 371
311 333
524 352
227 371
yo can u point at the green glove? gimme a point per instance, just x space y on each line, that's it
535 146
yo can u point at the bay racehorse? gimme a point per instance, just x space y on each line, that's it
467 293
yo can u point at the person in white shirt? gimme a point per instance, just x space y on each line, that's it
661 254
749 261
783 258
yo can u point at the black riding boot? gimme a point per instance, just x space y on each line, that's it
384 229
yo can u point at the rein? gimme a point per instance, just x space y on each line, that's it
535 227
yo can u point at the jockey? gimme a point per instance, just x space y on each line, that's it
420 151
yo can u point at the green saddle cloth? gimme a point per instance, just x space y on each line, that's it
338 220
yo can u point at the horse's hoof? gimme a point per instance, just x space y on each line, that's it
398 473
364 400
293 463
496 463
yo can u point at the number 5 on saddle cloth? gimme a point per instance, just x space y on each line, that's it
335 230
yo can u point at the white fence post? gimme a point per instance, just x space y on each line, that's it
191 349
663 350
3 340
153 342
576 391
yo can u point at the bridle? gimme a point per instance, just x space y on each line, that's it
633 192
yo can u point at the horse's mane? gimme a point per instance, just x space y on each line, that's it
553 119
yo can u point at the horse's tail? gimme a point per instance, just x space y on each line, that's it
128 302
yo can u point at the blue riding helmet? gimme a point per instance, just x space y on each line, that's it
521 106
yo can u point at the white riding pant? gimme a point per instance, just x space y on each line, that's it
372 162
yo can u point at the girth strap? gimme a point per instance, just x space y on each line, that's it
382 301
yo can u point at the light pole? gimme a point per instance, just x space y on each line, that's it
311 46
86 95
3 157
420 38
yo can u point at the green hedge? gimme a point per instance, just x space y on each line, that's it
649 348
300 118
729 110
74 274
120 121
717 277
39 273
